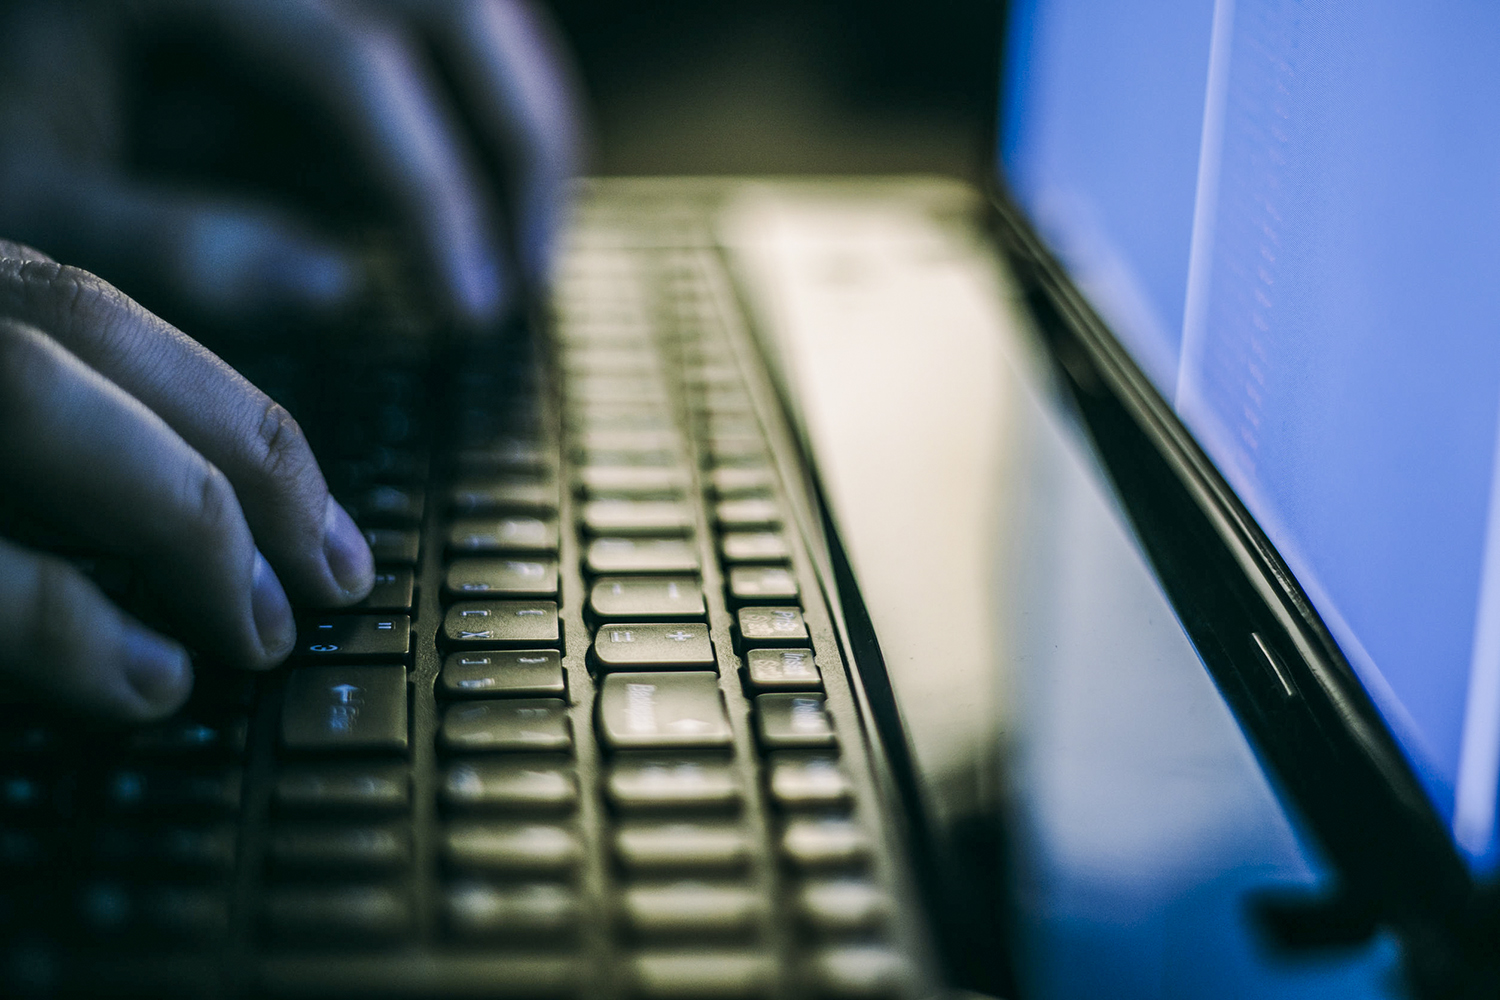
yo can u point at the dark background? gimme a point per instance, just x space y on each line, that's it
830 86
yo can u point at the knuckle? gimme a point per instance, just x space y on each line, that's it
283 458
209 503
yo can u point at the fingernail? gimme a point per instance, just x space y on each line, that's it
157 669
273 613
348 556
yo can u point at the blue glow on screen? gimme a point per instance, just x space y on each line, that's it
1290 213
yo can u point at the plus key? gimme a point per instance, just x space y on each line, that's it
633 645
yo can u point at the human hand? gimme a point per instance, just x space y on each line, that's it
412 98
122 433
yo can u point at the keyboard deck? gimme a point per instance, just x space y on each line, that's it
592 734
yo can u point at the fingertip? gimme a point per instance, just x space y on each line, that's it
348 555
274 625
158 671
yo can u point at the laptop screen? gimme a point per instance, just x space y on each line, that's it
1290 214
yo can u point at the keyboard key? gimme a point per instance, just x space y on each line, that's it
176 846
637 517
507 455
648 711
516 533
393 591
344 786
512 847
771 626
754 546
859 972
516 673
683 645
642 555
626 598
23 794
145 790
640 482
505 577
353 637
523 724
745 513
345 708
782 669
389 505
394 546
762 583
640 781
842 906
736 452
705 975
189 737
654 847
734 484
526 784
491 624
22 850
326 848
824 843
691 910
178 913
366 914
807 778
476 910
496 496
785 721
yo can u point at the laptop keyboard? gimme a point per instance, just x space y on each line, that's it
591 734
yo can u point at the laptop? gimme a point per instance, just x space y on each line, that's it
677 683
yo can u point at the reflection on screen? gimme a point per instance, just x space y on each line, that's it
1290 213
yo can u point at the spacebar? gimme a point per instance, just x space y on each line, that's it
418 975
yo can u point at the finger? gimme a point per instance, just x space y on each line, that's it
65 641
514 74
309 539
20 251
228 262
372 77
85 454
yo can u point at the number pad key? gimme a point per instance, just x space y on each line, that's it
653 710
632 598
493 624
524 724
495 496
637 517
680 646
345 708
146 790
394 546
824 843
